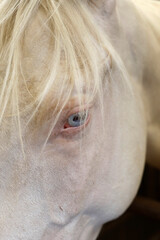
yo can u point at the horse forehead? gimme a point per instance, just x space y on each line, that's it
37 54
36 30
37 45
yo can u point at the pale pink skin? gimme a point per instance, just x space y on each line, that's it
68 195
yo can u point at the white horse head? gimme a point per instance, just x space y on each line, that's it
73 114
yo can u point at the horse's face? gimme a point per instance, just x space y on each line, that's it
85 176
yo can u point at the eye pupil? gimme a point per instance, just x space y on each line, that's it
76 118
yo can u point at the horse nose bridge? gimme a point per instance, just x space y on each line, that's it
19 176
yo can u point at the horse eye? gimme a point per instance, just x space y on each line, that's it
77 119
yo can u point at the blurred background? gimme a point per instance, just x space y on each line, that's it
142 220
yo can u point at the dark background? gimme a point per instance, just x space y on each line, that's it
142 220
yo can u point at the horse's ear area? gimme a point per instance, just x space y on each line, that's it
106 6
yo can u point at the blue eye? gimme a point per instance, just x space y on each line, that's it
78 119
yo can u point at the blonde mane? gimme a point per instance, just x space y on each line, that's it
77 41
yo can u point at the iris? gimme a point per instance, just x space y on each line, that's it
78 119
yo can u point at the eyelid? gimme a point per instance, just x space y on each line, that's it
73 130
79 109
